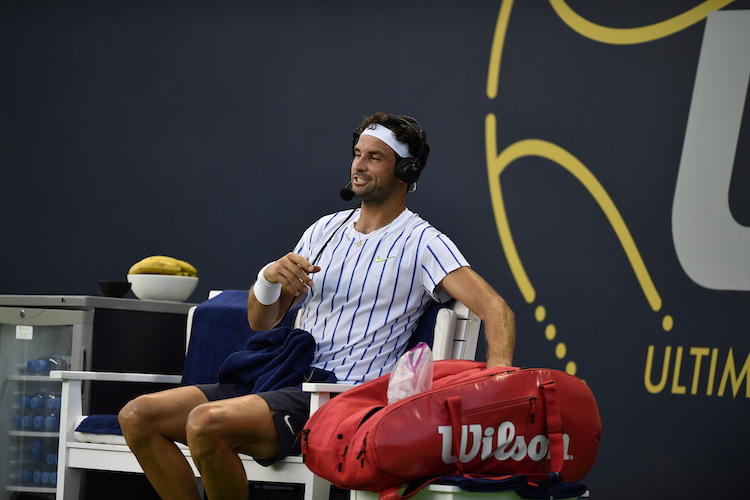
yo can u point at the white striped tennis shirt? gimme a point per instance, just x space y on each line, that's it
371 290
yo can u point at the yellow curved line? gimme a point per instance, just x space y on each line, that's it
615 36
496 52
494 168
627 36
535 147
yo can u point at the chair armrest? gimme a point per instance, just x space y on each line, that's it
73 383
321 392
326 387
115 376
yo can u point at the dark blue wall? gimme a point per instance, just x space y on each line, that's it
216 132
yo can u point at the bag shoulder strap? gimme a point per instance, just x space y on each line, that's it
554 424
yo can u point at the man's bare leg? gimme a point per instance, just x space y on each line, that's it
150 424
217 431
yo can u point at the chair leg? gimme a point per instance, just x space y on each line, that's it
317 489
68 485
68 480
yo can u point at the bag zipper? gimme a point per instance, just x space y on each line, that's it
341 462
304 433
361 454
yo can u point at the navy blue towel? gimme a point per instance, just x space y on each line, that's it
220 328
271 360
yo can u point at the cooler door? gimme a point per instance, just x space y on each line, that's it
33 342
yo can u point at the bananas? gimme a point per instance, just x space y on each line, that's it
160 264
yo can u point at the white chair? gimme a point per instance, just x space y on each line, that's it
456 332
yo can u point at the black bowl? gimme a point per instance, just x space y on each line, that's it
117 289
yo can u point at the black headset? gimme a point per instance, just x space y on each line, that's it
407 169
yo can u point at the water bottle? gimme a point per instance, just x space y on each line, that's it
44 365
38 446
54 402
35 366
38 422
52 423
15 420
27 422
36 402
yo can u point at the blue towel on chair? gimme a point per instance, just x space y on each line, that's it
220 328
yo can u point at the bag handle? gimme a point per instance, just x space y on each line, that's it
453 404
554 424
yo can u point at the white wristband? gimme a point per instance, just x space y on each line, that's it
266 292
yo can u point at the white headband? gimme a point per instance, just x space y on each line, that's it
387 136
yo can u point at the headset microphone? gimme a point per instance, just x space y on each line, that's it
346 194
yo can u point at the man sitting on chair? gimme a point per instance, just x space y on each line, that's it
365 276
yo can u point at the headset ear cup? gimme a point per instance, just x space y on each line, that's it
407 170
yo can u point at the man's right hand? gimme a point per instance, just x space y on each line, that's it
293 272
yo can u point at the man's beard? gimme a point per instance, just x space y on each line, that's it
376 195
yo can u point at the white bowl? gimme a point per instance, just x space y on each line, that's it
162 286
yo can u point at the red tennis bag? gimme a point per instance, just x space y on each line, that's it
478 421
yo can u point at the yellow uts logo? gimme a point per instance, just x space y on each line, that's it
712 249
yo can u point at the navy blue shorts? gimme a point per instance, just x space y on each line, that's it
291 407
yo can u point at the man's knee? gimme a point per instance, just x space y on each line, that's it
223 424
135 415
205 423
